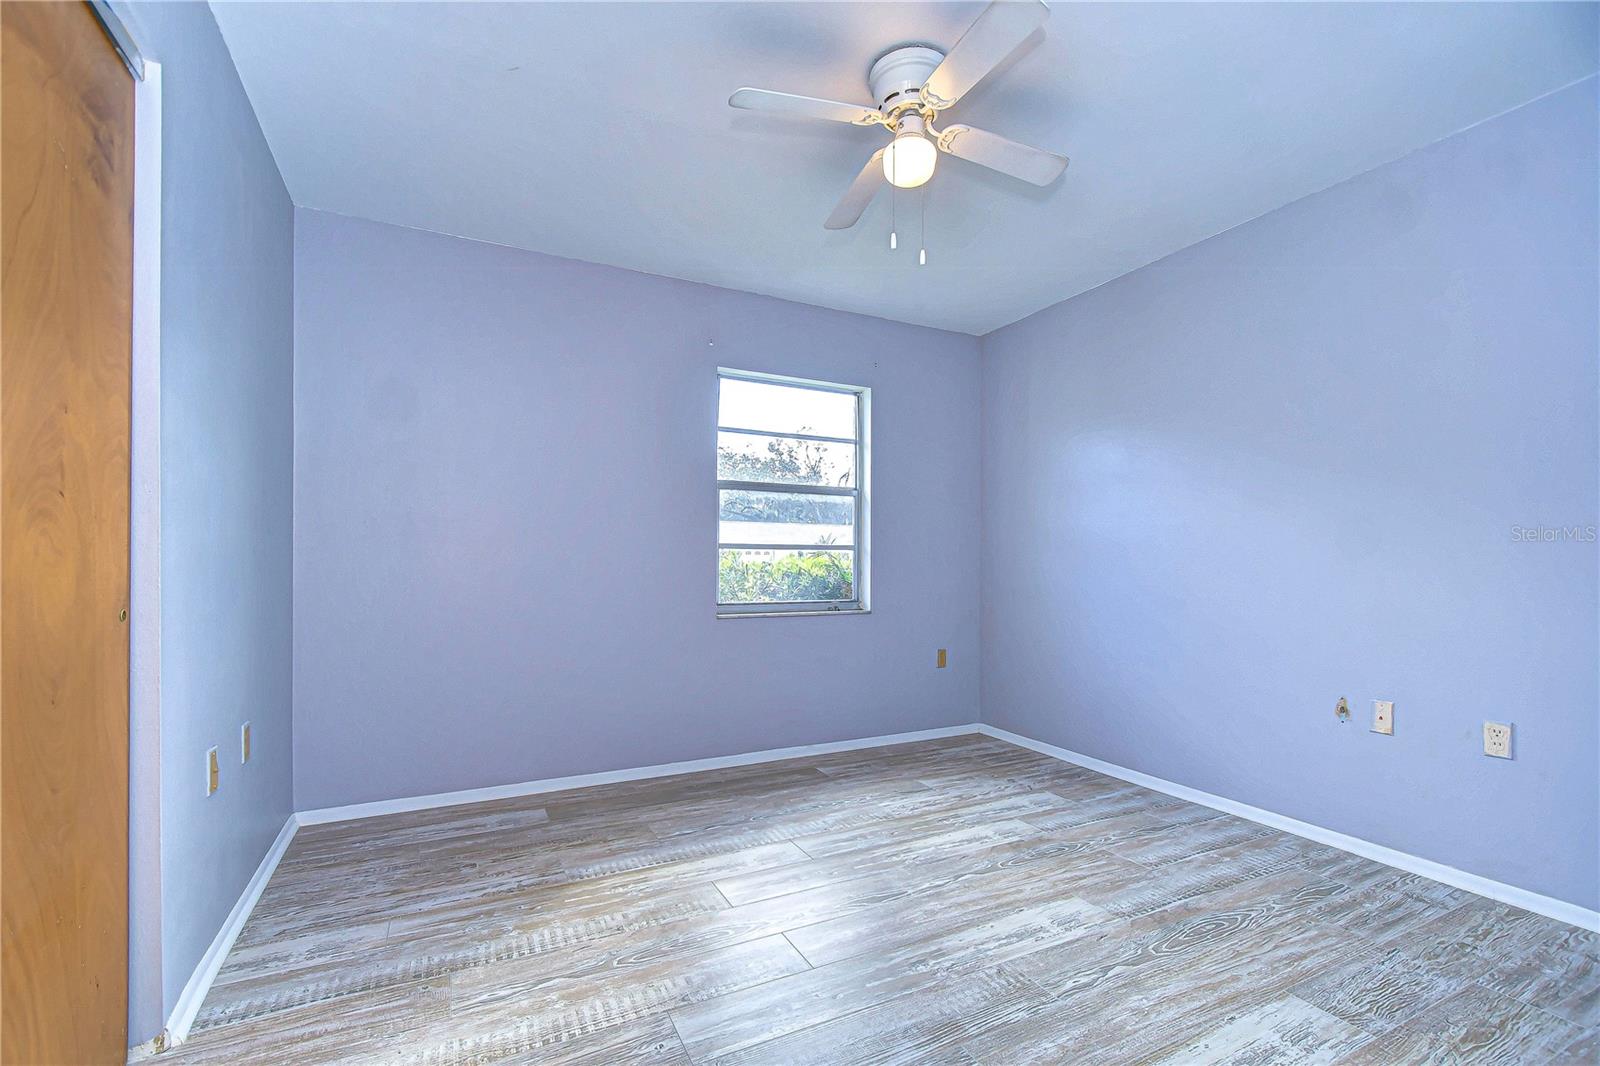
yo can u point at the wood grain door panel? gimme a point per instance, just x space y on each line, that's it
66 197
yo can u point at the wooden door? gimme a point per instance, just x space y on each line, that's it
66 218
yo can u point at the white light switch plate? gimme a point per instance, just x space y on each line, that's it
1383 717
1497 739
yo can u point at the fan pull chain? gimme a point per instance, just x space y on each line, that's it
922 228
894 166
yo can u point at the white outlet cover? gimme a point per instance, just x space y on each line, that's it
1383 717
1497 739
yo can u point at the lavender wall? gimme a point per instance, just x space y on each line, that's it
1285 465
225 496
505 521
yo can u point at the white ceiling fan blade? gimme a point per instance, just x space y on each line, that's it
859 195
997 32
991 150
804 107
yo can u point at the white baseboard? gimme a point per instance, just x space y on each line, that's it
194 993
557 784
1548 906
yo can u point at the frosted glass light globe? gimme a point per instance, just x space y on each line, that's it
909 160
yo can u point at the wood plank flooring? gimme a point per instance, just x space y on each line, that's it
952 901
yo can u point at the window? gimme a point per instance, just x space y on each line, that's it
791 495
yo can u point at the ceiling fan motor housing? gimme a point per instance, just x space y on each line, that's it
900 72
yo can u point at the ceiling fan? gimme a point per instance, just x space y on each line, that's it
912 85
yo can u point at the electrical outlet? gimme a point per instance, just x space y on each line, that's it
244 743
213 771
1497 739
1383 717
943 662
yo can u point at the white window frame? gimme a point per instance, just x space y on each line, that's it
861 491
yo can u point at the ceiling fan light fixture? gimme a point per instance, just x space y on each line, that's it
909 160
911 86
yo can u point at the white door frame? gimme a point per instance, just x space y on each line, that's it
146 1016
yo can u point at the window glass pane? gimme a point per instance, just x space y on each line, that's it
755 457
785 518
786 409
764 576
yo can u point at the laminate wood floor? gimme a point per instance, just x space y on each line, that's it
951 901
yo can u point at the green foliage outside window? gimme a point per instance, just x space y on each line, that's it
819 575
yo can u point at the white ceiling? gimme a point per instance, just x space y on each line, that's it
601 131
